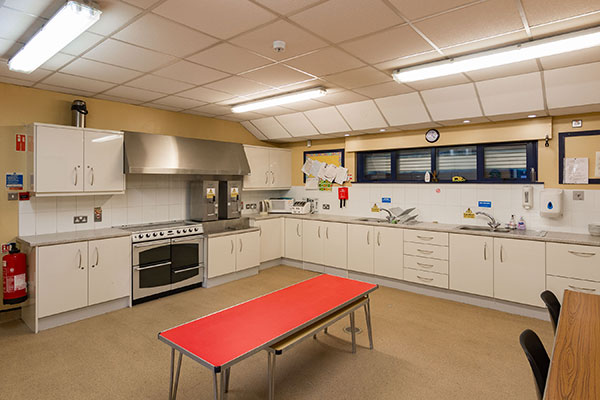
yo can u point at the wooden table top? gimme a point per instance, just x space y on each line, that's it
575 364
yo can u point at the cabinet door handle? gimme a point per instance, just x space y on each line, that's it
319 231
241 245
298 230
260 231
368 237
425 251
79 253
75 179
424 279
582 288
424 265
231 246
97 258
92 177
501 253
485 251
581 253
272 177
378 238
266 177
425 237
327 232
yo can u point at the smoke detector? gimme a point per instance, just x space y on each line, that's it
279 46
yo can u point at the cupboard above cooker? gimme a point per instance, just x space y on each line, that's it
68 160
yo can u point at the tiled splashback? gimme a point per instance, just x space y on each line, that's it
446 203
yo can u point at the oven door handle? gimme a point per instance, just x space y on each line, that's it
191 239
187 269
152 244
152 266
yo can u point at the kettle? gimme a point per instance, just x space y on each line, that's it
264 206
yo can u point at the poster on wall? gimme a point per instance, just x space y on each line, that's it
324 166
576 171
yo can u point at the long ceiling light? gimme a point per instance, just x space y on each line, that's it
279 100
526 51
68 23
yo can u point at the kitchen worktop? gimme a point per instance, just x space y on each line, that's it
70 237
550 236
231 231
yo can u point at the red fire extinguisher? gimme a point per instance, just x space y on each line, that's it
14 271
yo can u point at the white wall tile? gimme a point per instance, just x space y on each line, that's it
119 216
134 215
27 224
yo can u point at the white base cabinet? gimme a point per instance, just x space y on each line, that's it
519 270
472 264
231 253
248 250
109 270
293 239
271 247
387 254
360 248
324 243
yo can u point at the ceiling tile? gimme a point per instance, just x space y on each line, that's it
13 81
253 130
418 9
202 114
494 42
142 3
566 25
127 55
297 40
82 43
205 94
162 107
77 82
160 34
117 99
229 117
387 45
338 20
57 61
223 19
341 97
5 46
453 102
519 115
158 84
15 24
384 89
133 93
214 109
271 128
297 124
461 121
337 61
513 94
33 7
438 82
249 115
115 14
186 71
360 77
277 75
100 71
362 115
571 58
305 105
52 88
408 61
485 19
404 109
327 120
272 111
229 58
286 7
35 76
573 86
543 11
519 68
179 102
238 86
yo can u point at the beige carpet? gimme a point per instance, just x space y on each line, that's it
425 348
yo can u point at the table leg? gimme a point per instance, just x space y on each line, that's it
216 386
177 377
222 388
368 318
352 329
269 373
227 375
325 331
172 373
272 391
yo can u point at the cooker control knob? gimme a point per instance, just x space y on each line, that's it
147 235
162 234
155 234
196 229
185 230
178 231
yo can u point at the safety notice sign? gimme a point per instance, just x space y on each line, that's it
14 181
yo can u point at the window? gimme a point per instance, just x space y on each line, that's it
500 162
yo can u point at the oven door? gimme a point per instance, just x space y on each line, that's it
151 268
187 261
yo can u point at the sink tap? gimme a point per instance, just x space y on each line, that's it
492 224
390 217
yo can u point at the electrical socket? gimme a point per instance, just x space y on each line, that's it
253 206
325 206
248 206
578 195
13 196
80 219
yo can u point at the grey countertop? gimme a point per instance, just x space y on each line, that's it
550 236
70 237
231 231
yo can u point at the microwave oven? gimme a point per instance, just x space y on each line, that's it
281 206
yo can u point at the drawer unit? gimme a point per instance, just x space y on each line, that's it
573 261
558 285
426 278
426 250
415 236
426 264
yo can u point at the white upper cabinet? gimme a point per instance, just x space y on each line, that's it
270 168
69 160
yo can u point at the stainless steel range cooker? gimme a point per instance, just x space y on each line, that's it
166 258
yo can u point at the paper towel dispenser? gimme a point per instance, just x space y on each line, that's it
551 203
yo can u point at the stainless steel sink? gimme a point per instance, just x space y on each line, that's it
378 220
482 228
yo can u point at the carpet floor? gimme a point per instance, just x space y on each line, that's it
425 348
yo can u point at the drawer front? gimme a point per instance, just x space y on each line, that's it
437 238
426 250
573 261
558 285
426 264
426 278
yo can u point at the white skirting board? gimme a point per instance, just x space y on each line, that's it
486 302
234 276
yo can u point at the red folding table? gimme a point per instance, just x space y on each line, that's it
226 337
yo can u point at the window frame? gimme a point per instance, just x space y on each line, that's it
531 151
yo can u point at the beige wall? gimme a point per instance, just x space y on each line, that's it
530 129
20 106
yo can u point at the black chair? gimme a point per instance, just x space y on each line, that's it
553 307
537 357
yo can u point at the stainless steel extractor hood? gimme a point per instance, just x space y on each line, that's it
147 153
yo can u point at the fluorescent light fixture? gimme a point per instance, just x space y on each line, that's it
507 55
68 23
279 100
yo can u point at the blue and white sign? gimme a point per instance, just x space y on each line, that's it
485 204
386 199
14 181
